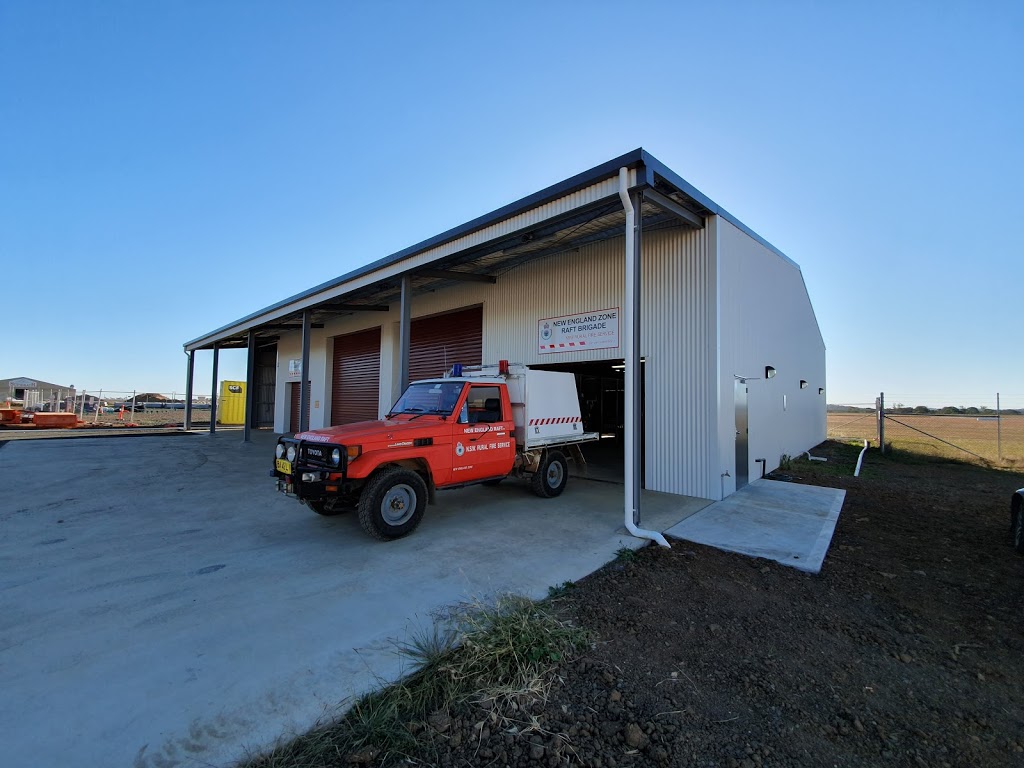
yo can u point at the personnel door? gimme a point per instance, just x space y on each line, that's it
483 442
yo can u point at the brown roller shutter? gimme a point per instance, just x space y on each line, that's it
436 343
293 395
355 385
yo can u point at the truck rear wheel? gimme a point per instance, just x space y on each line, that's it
550 478
392 503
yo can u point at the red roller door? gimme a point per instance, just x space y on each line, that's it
355 385
293 395
435 343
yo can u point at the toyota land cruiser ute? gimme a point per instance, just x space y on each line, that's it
480 424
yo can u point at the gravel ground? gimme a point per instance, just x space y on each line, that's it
907 650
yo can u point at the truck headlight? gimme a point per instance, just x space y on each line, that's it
290 453
336 456
279 451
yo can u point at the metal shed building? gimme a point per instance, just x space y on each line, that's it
694 341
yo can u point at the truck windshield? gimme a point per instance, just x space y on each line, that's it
433 397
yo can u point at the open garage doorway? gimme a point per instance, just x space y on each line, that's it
601 387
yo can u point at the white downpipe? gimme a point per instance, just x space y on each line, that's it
627 333
856 472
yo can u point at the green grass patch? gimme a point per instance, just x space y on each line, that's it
626 555
495 657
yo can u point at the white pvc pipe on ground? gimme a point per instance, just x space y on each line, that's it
856 472
628 314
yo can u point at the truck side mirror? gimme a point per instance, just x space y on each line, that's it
464 414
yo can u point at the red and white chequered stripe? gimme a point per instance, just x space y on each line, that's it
562 346
560 420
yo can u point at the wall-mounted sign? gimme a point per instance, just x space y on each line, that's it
598 329
295 369
24 383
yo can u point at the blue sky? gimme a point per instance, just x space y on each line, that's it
166 168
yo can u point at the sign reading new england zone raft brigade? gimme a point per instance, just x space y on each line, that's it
598 329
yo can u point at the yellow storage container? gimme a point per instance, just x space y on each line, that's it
231 403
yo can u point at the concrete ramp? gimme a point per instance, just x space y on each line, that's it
786 522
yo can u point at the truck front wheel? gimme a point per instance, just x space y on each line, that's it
551 476
392 503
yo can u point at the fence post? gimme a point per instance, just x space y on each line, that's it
999 429
880 406
82 404
99 407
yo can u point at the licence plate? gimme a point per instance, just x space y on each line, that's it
283 465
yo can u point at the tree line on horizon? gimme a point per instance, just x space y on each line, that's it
923 410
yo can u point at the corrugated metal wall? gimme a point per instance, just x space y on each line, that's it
767 319
677 338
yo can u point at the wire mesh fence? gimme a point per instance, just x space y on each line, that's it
985 432
141 409
113 408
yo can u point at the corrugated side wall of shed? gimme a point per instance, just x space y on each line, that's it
766 320
677 338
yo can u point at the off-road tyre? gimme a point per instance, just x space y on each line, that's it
392 503
1018 530
551 476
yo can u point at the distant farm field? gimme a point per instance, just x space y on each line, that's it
954 436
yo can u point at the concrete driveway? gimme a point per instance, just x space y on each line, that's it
161 605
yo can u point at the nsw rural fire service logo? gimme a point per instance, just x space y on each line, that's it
459 449
546 332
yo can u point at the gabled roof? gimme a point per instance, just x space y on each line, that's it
26 382
582 209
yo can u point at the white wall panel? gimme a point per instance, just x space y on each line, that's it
767 319
678 338
289 347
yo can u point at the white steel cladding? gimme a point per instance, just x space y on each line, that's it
677 340
677 336
767 320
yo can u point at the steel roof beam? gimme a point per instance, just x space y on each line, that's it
283 327
451 274
328 307
669 205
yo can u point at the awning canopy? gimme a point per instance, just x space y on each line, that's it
582 210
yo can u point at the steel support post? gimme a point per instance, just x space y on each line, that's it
213 391
250 395
304 384
404 329
999 429
881 422
190 370
634 366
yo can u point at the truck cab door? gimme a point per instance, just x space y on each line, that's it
483 445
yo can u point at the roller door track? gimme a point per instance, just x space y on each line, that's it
436 343
355 385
